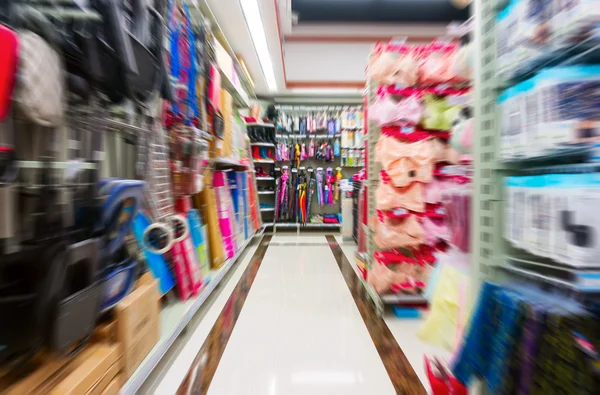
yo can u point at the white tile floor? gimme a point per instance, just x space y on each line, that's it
299 331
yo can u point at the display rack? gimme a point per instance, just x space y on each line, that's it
245 91
322 134
493 257
373 170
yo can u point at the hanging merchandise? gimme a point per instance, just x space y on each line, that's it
206 202
188 153
338 179
123 199
40 91
312 185
413 112
330 183
302 196
224 212
9 41
159 242
277 175
320 186
543 350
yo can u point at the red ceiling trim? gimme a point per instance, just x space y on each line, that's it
280 39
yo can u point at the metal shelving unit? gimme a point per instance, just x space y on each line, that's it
493 257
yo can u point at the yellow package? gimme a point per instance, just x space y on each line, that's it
449 306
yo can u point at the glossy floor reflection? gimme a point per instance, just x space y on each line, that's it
293 326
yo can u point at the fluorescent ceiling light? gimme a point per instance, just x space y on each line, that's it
257 32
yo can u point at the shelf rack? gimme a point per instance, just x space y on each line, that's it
241 95
299 226
175 317
263 144
491 253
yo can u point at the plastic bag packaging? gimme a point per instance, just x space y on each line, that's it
387 111
446 310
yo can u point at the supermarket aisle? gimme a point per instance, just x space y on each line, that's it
292 326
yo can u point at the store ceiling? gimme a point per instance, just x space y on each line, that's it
393 11
326 55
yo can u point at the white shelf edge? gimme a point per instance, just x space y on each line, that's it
265 210
306 225
306 136
266 192
264 125
239 98
263 144
203 7
227 161
137 379
402 298
262 161
265 178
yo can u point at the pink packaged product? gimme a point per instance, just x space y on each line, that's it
184 256
433 191
394 65
457 202
397 232
435 229
388 111
389 197
389 149
214 87
224 212
182 280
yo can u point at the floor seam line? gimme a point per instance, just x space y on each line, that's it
204 366
400 371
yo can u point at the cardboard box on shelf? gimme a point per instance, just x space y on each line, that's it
114 387
215 147
89 369
103 382
227 112
42 374
144 279
206 203
105 332
138 327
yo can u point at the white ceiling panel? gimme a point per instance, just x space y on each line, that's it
313 61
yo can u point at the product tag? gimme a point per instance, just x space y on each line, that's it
400 211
